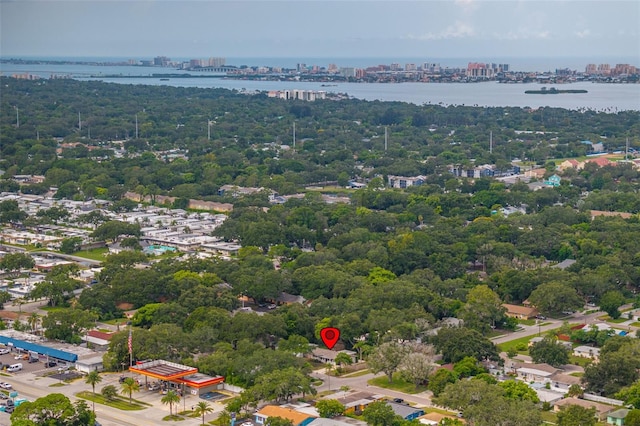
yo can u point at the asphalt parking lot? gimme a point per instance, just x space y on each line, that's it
27 367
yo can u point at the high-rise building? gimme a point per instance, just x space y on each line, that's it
591 69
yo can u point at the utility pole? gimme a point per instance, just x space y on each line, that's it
17 117
294 135
136 126
79 122
386 137
491 142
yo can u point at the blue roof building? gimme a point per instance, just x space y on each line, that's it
42 350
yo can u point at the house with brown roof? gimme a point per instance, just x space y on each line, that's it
601 409
295 417
598 213
520 312
568 164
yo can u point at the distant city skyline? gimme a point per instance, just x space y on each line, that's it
474 29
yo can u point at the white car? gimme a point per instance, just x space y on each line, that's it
4 351
5 385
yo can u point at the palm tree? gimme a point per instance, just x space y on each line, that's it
34 320
223 419
109 392
93 379
129 386
202 408
171 398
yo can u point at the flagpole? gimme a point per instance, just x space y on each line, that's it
130 343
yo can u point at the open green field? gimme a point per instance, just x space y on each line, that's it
398 384
95 254
514 344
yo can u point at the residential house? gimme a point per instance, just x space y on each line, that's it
553 180
337 421
602 410
356 402
568 164
617 417
295 417
98 340
520 312
405 182
563 381
329 356
587 352
530 372
405 411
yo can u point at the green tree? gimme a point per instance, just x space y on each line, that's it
278 421
468 367
617 368
379 413
514 389
68 324
611 301
13 262
386 358
416 367
53 409
484 404
630 395
129 386
329 408
455 343
633 418
439 380
93 378
202 408
553 298
70 245
575 415
549 351
170 398
343 359
483 309
109 392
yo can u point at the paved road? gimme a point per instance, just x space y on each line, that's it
360 383
32 386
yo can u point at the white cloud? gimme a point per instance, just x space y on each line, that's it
458 30
583 34
467 5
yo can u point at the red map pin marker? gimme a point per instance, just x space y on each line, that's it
330 336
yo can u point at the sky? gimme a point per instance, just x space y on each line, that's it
303 28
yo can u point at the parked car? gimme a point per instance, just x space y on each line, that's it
5 385
4 351
50 364
32 360
3 395
272 306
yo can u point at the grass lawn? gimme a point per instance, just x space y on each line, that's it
356 374
173 418
119 402
578 360
549 417
504 347
577 374
527 321
635 324
398 384
95 254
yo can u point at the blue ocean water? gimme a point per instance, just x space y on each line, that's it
600 97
